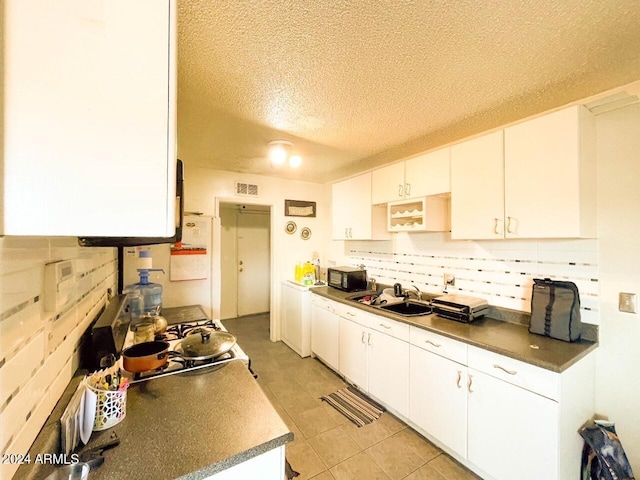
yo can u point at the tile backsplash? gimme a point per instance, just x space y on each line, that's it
501 272
38 348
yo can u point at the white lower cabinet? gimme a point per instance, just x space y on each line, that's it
353 352
266 466
512 432
324 330
374 361
438 398
295 317
503 418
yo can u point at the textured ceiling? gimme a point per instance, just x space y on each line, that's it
355 84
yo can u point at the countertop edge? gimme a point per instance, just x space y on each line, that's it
239 458
340 297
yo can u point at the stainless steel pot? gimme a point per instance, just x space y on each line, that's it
205 344
159 322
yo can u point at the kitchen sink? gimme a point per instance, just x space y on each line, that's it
363 296
408 308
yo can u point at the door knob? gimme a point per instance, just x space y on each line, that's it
240 270
240 262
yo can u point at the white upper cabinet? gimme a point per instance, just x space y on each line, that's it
89 97
428 174
550 176
353 217
421 176
477 188
387 184
536 179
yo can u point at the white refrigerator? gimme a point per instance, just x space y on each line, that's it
187 269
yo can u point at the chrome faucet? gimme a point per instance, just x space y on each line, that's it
419 293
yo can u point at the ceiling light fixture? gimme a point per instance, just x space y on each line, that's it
280 152
295 161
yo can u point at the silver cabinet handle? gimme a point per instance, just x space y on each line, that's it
369 339
407 189
385 326
469 383
346 233
400 191
437 345
351 314
350 233
459 379
509 225
362 338
510 372
495 226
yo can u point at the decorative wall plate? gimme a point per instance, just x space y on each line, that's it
305 233
290 228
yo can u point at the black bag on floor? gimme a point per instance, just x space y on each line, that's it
603 457
555 309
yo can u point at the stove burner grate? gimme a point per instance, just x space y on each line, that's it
181 330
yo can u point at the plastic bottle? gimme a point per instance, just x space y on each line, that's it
299 273
136 305
308 274
151 293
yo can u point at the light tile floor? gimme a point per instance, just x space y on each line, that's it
326 445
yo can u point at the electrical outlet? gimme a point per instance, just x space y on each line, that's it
627 302
449 279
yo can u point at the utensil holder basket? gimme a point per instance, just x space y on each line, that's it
111 408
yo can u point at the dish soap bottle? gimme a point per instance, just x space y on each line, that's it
308 277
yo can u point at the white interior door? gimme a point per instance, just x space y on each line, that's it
254 275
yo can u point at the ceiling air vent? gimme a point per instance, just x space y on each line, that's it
246 189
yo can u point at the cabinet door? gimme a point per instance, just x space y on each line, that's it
428 174
512 433
353 352
389 371
438 400
358 207
388 184
550 178
340 214
89 135
324 335
477 188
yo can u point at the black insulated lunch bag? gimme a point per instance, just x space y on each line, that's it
555 309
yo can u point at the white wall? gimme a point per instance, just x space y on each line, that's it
204 187
618 376
38 349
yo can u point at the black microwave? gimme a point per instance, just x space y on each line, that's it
349 279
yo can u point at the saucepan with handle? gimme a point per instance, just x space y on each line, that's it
145 356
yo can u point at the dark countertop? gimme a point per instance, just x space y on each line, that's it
187 426
509 339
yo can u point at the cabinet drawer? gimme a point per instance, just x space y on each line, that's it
349 312
323 303
443 346
390 327
535 379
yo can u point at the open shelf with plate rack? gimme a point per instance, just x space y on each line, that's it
419 214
